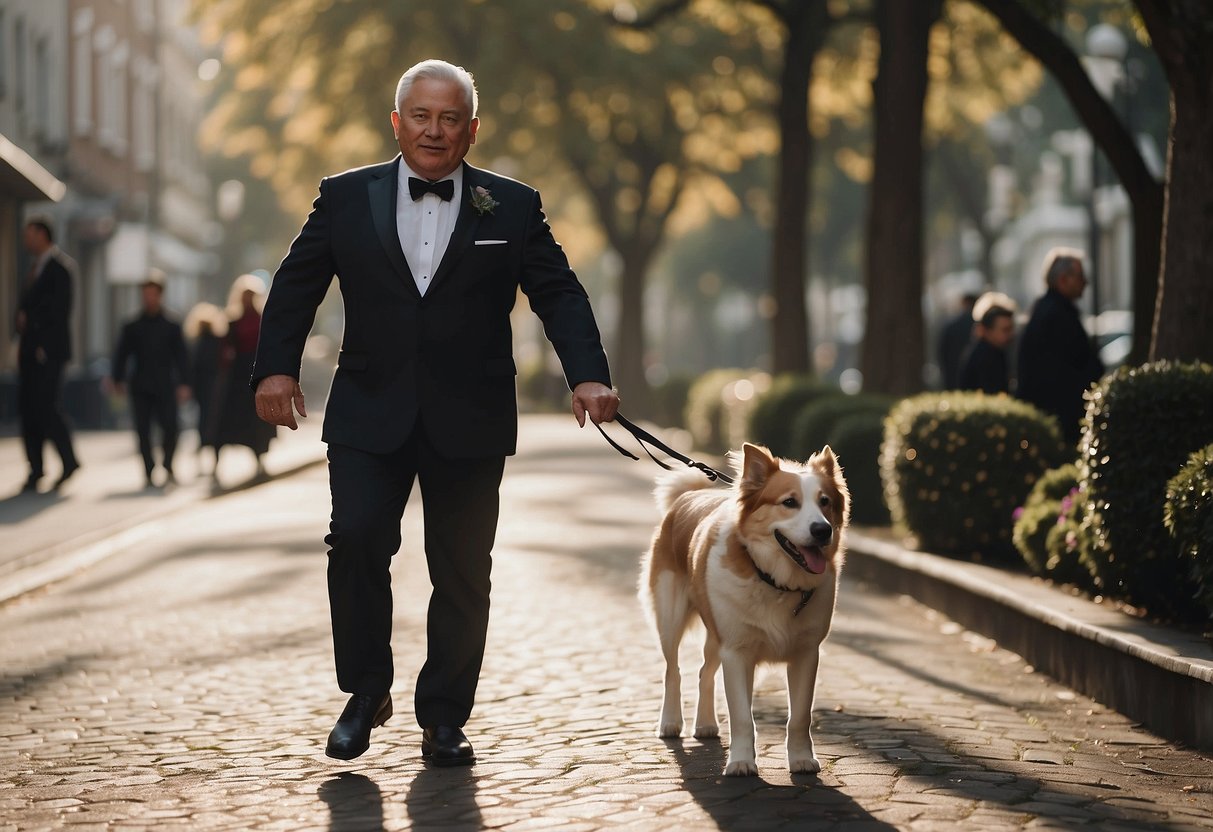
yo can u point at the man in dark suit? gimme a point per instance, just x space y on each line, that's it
156 347
44 324
1056 360
430 253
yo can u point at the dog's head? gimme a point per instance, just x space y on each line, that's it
792 514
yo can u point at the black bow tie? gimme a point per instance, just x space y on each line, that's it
419 188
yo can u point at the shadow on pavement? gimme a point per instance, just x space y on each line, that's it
25 504
443 796
354 802
761 804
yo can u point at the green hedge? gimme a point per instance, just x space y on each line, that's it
1188 516
856 442
1141 424
816 420
669 401
1047 527
715 416
955 466
776 409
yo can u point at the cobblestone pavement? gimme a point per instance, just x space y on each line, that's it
187 683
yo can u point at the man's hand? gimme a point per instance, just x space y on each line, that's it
275 395
599 402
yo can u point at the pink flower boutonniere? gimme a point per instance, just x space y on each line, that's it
482 201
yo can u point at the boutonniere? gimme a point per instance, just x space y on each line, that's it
482 200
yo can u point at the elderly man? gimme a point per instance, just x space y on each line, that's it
1056 360
429 253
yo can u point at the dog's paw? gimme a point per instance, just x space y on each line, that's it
741 768
669 730
707 731
804 765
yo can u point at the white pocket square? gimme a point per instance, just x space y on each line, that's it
490 242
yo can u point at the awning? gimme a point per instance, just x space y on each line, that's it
22 178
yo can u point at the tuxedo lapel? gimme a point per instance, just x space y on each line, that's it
382 193
465 227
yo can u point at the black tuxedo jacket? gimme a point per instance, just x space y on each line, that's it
445 358
156 347
47 304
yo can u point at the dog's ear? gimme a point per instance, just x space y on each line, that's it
757 464
826 459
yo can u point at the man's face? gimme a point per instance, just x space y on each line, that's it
999 333
434 127
1072 283
34 239
152 295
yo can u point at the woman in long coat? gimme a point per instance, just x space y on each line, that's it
236 421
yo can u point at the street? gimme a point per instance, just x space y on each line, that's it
187 682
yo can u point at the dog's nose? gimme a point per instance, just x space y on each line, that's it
821 532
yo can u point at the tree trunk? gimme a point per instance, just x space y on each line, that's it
1181 32
627 360
894 344
806 22
1117 144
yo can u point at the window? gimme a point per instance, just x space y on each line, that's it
42 89
19 57
82 68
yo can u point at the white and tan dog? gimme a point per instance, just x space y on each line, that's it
758 564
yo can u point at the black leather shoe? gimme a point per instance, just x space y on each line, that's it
66 475
446 746
31 484
351 736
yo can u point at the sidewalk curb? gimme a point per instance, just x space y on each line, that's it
1160 677
65 559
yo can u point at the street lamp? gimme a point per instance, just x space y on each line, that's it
1106 48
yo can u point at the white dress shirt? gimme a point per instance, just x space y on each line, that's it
425 226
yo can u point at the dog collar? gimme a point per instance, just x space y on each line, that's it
805 594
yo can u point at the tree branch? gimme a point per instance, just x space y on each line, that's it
654 15
1093 109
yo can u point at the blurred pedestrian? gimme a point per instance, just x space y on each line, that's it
430 253
1057 362
985 365
206 328
236 421
150 364
954 339
44 326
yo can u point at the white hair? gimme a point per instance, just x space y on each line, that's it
439 71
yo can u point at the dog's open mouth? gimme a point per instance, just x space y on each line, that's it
809 558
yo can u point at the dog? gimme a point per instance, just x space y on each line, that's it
758 564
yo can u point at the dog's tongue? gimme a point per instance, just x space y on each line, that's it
814 557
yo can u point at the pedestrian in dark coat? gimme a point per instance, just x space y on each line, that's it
1057 362
150 365
236 421
206 328
956 337
985 365
44 324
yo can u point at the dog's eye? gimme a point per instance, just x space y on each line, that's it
823 501
791 502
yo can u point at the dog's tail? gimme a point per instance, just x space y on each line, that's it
673 485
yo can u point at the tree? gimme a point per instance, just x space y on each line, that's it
624 115
1028 22
893 347
1181 32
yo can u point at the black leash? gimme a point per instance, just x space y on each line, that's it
645 439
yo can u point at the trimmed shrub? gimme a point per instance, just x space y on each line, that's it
955 466
1188 516
717 412
816 420
856 442
1046 531
772 417
1140 426
669 399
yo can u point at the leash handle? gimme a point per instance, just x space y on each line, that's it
644 438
